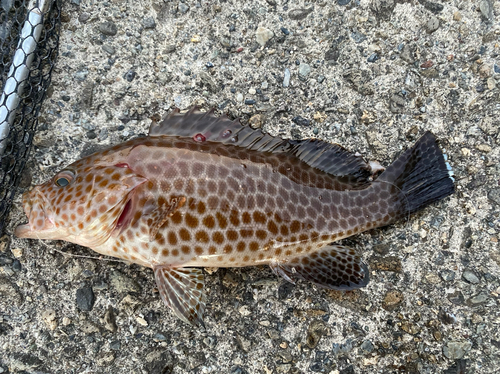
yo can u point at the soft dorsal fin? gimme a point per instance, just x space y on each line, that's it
327 157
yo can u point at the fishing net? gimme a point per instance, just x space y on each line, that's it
29 36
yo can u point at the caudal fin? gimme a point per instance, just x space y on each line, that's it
421 174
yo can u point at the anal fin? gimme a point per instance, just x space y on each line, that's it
182 290
334 267
161 213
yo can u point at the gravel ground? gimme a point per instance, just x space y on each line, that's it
370 75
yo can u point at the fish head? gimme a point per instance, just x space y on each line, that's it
81 204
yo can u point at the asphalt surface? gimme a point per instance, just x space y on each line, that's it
370 75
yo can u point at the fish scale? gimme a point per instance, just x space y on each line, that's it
202 190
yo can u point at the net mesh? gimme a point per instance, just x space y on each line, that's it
29 37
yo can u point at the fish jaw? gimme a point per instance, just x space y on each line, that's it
40 222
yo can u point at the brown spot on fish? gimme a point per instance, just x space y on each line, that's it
202 236
272 227
217 237
246 218
259 217
172 238
232 235
240 247
261 234
176 218
191 221
221 219
209 222
233 218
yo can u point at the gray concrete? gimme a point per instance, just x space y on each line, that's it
370 75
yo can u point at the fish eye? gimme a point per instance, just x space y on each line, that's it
63 179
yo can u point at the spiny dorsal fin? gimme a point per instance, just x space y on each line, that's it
334 266
182 290
327 157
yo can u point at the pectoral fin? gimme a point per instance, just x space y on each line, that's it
182 290
334 266
161 213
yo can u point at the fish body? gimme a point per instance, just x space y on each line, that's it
205 191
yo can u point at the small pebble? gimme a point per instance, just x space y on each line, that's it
84 17
479 299
285 31
252 91
447 275
367 346
470 277
17 252
159 337
130 75
85 298
262 35
373 57
149 23
432 25
301 121
304 70
490 82
108 28
183 8
250 102
244 311
286 79
456 350
109 49
239 97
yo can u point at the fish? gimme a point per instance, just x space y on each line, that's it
206 191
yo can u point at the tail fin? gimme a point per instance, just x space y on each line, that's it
421 174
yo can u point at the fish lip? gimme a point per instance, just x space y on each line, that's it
25 231
22 231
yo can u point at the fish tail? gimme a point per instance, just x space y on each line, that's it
421 175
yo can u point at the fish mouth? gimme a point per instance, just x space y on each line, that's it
26 231
23 231
39 225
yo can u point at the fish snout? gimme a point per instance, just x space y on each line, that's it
36 211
